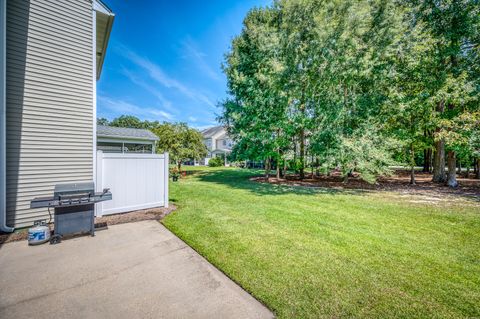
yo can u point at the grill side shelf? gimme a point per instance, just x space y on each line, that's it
52 202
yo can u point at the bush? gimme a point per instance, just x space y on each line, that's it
216 162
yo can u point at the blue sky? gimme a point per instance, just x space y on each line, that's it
164 59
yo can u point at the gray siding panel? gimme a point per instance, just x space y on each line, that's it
49 101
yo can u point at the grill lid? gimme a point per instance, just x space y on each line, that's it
75 189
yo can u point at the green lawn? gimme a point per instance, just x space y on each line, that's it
320 253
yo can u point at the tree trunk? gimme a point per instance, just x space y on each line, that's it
302 153
295 157
439 162
427 154
412 165
467 173
267 168
311 164
427 159
412 175
278 167
179 165
350 173
431 161
452 176
477 175
459 167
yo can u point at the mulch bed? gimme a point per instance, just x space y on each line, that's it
399 181
131 217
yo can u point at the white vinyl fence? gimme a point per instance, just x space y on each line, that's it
137 181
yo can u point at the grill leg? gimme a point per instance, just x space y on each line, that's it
92 230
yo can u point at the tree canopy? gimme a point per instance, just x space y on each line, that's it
355 86
129 121
180 141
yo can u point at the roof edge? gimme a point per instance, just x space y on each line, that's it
102 8
122 133
118 137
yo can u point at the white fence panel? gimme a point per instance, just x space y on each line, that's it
137 181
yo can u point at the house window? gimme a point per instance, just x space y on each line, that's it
119 147
137 148
224 142
108 147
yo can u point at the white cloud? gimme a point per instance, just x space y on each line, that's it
191 51
165 103
157 74
120 107
192 119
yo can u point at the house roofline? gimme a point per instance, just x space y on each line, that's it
102 8
124 137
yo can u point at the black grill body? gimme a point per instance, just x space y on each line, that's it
74 206
73 220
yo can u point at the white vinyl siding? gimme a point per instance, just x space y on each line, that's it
49 101
220 144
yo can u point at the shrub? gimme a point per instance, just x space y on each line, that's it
216 162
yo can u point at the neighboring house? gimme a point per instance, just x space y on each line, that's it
125 140
52 53
217 142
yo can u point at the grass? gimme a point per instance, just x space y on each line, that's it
309 253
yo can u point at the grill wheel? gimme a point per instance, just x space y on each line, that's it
55 239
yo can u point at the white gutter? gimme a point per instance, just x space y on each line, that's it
3 116
101 8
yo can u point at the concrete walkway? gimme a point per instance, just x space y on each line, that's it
136 270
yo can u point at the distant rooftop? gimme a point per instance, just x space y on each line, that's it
212 131
123 132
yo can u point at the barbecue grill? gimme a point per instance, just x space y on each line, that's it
74 206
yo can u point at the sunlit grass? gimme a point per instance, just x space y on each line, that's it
310 253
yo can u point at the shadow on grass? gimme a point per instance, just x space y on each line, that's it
240 179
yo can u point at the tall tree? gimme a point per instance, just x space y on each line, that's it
127 121
453 26
180 141
409 110
345 81
355 46
255 116
130 121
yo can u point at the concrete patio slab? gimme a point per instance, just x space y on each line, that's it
135 270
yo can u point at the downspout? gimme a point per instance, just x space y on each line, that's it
3 116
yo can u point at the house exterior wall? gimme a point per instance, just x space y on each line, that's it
218 144
208 143
224 143
215 145
50 101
